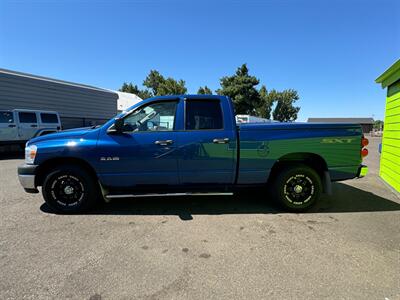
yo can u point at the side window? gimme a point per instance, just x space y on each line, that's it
6 117
27 117
203 114
158 116
48 118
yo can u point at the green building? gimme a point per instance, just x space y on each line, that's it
390 156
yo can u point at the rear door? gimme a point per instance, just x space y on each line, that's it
49 121
8 128
28 124
207 144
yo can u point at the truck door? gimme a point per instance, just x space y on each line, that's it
8 128
28 125
145 153
207 145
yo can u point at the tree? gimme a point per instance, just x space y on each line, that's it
285 110
129 88
133 89
153 81
161 86
171 87
378 124
266 101
241 88
204 91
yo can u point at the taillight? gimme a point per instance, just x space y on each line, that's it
364 152
364 142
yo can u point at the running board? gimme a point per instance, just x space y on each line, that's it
166 195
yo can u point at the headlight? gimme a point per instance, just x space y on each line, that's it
30 154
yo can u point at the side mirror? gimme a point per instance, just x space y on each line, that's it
118 125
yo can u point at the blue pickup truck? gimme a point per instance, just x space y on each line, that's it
190 145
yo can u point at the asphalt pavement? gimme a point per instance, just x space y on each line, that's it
346 247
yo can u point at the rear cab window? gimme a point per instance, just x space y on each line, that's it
6 117
27 117
203 115
49 118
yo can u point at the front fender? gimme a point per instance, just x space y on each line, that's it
81 147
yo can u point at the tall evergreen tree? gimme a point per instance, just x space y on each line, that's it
241 88
285 111
153 81
266 101
133 89
171 86
204 91
164 86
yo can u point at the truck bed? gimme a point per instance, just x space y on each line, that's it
262 145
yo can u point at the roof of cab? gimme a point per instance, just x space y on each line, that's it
191 96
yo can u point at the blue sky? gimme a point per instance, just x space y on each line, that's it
330 51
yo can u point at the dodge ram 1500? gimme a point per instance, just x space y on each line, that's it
190 145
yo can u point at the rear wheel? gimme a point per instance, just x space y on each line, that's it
70 189
297 187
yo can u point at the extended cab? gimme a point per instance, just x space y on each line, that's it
190 144
20 125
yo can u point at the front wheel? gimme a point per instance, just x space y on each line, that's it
69 189
297 187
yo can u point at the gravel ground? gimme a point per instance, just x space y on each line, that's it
347 247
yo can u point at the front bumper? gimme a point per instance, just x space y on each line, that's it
26 176
362 171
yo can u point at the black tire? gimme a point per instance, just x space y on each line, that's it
70 189
297 187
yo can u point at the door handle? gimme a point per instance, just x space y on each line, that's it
33 125
164 143
11 125
221 141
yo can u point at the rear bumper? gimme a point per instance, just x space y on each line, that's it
362 171
26 176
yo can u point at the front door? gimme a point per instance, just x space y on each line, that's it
207 145
8 128
144 155
28 125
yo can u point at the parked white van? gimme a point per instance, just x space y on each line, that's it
17 126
